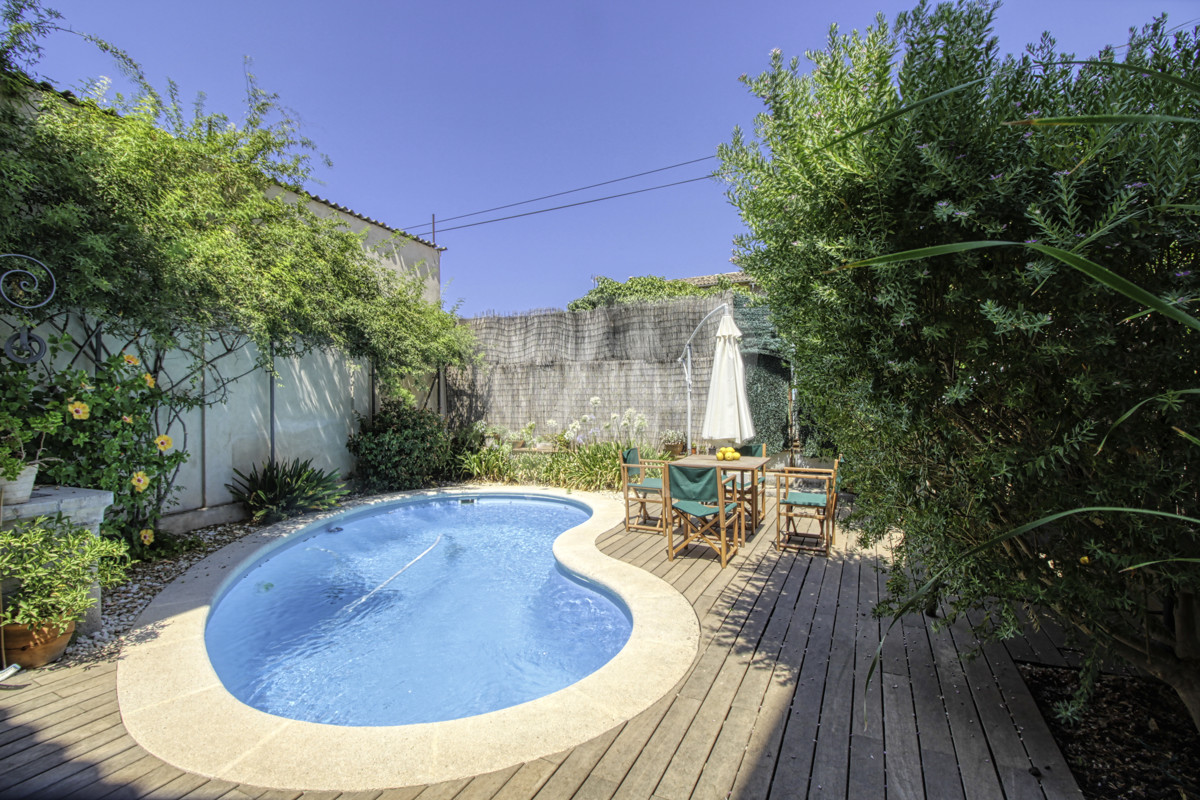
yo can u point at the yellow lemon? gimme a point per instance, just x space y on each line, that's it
720 456
735 455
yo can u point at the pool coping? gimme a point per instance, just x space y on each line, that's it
173 704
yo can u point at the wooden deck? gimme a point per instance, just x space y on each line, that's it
775 706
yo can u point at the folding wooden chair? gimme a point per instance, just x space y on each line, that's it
805 493
706 508
752 489
639 487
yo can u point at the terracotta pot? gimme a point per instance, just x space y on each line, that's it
35 648
15 492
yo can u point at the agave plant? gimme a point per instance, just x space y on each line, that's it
282 490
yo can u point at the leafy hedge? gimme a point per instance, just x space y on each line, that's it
401 448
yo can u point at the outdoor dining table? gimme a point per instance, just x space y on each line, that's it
756 466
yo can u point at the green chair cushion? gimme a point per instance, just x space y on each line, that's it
701 510
649 485
817 499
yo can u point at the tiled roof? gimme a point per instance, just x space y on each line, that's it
356 215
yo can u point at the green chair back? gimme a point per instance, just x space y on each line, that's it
698 484
631 457
753 450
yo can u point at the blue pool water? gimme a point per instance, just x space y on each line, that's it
416 612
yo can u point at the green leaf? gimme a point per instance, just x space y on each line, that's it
1089 268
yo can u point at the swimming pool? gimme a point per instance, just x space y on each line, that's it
422 610
174 705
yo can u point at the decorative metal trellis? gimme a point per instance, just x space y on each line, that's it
25 346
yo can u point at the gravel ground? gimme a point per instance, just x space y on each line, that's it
121 606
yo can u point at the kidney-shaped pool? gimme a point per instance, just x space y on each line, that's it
422 610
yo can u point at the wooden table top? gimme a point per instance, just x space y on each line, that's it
745 463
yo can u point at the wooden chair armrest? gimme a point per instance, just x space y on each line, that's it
801 471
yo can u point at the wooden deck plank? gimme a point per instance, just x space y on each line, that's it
1056 779
141 785
446 790
976 763
720 768
405 793
939 767
646 771
1042 647
527 780
757 770
745 625
867 768
831 756
48 755
176 787
484 787
1011 760
55 713
612 768
30 708
794 765
60 735
573 771
87 778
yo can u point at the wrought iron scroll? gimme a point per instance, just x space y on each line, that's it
25 346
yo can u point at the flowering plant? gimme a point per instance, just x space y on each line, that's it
109 439
673 437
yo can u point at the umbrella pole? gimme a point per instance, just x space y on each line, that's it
686 360
688 374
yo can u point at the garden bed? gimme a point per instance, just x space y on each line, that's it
1134 740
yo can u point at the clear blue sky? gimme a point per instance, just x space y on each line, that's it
448 107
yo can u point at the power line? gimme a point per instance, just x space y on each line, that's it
559 194
572 205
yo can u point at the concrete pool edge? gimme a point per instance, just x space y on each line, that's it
174 706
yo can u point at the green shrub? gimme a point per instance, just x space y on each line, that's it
595 466
489 464
283 490
402 447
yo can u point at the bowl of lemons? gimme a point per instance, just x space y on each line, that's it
728 454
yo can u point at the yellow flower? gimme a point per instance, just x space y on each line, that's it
128 420
79 409
163 442
1085 560
149 379
140 481
132 361
147 535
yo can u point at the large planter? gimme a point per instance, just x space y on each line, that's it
35 648
674 449
15 492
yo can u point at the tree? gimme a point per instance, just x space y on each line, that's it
971 391
185 240
641 289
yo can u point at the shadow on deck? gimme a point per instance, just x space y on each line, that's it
775 706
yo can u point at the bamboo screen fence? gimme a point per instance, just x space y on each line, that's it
547 366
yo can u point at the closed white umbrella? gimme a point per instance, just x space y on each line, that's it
727 414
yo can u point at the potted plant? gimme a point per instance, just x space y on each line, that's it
673 442
24 423
47 569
